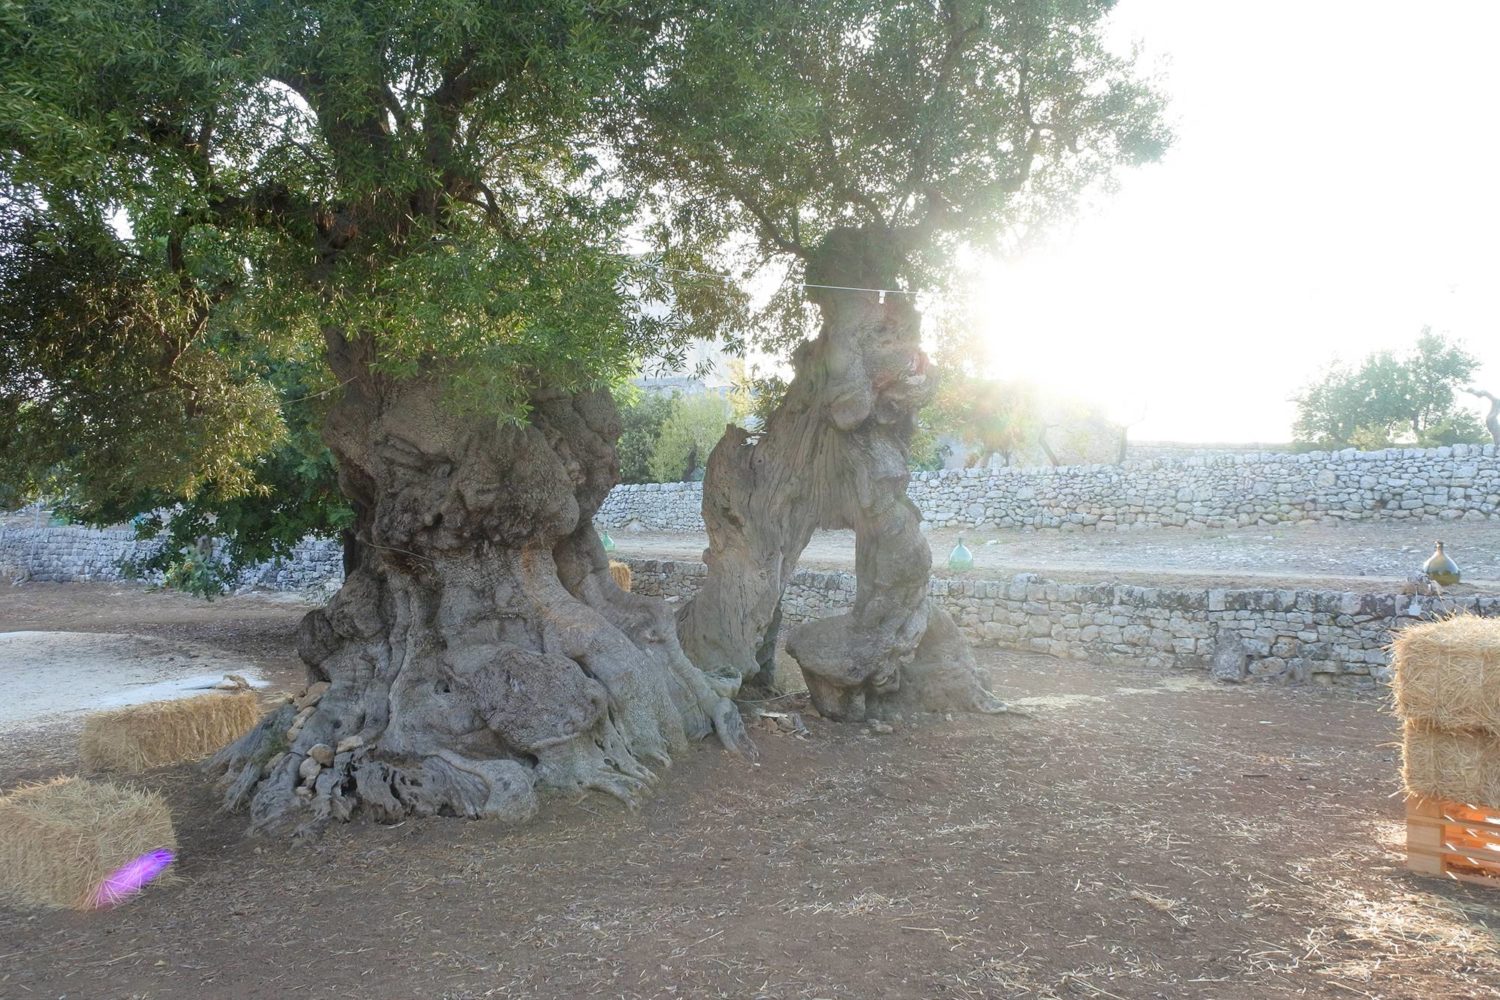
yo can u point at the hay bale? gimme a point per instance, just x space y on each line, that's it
166 732
1457 766
621 572
61 840
1447 673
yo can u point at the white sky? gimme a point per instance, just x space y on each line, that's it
1333 187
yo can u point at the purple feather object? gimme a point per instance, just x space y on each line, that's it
131 877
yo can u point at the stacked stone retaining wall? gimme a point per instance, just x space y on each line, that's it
33 548
1331 637
1322 636
1223 490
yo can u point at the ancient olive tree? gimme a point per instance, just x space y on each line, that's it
404 206
406 198
863 143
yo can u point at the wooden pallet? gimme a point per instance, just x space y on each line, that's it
1453 840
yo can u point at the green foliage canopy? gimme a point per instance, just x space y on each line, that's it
218 185
960 121
195 194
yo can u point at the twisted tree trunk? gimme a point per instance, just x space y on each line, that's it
1492 418
479 652
834 455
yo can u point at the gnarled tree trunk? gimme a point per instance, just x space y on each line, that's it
479 652
834 455
1492 418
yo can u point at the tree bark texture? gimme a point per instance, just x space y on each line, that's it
479 653
834 455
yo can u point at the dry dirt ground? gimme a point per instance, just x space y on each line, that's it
1359 555
1138 835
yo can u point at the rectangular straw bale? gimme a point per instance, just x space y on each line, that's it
139 737
1457 766
621 573
60 839
1447 673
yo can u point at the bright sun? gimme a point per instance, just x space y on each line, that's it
1213 285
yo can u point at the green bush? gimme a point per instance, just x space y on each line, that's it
642 415
690 433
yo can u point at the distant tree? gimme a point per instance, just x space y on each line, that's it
1076 431
757 395
929 452
1010 418
1391 399
642 415
747 392
991 416
695 425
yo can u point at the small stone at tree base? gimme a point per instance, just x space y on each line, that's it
313 694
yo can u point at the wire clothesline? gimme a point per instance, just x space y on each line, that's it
883 292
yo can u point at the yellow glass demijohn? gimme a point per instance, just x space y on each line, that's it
1440 568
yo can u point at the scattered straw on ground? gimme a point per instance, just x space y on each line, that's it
61 839
1447 673
166 732
1457 766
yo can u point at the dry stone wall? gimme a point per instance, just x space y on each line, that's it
1221 490
33 548
654 506
1322 636
1330 637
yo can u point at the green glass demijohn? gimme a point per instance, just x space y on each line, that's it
1440 568
605 540
960 558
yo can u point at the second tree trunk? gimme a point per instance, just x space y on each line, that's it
834 455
